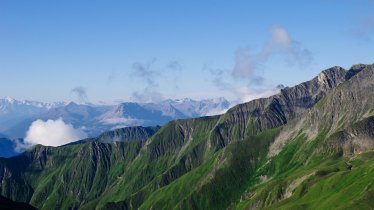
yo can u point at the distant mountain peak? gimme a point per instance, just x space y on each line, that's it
183 100
71 103
10 99
357 66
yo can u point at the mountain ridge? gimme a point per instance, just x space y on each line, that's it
223 161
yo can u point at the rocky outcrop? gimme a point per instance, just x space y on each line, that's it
347 104
258 115
352 140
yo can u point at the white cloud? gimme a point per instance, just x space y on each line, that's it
280 36
247 63
20 146
248 94
216 111
291 49
52 133
122 121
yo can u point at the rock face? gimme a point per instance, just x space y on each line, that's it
353 140
286 151
262 114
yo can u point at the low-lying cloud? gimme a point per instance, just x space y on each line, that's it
241 93
52 133
246 94
216 111
122 121
20 146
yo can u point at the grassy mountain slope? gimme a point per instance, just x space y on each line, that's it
286 151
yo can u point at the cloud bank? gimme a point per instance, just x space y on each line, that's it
52 133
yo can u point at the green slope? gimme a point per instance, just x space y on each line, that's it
288 151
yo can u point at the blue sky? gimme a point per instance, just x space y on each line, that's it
151 50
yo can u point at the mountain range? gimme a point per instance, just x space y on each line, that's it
13 111
308 147
16 116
